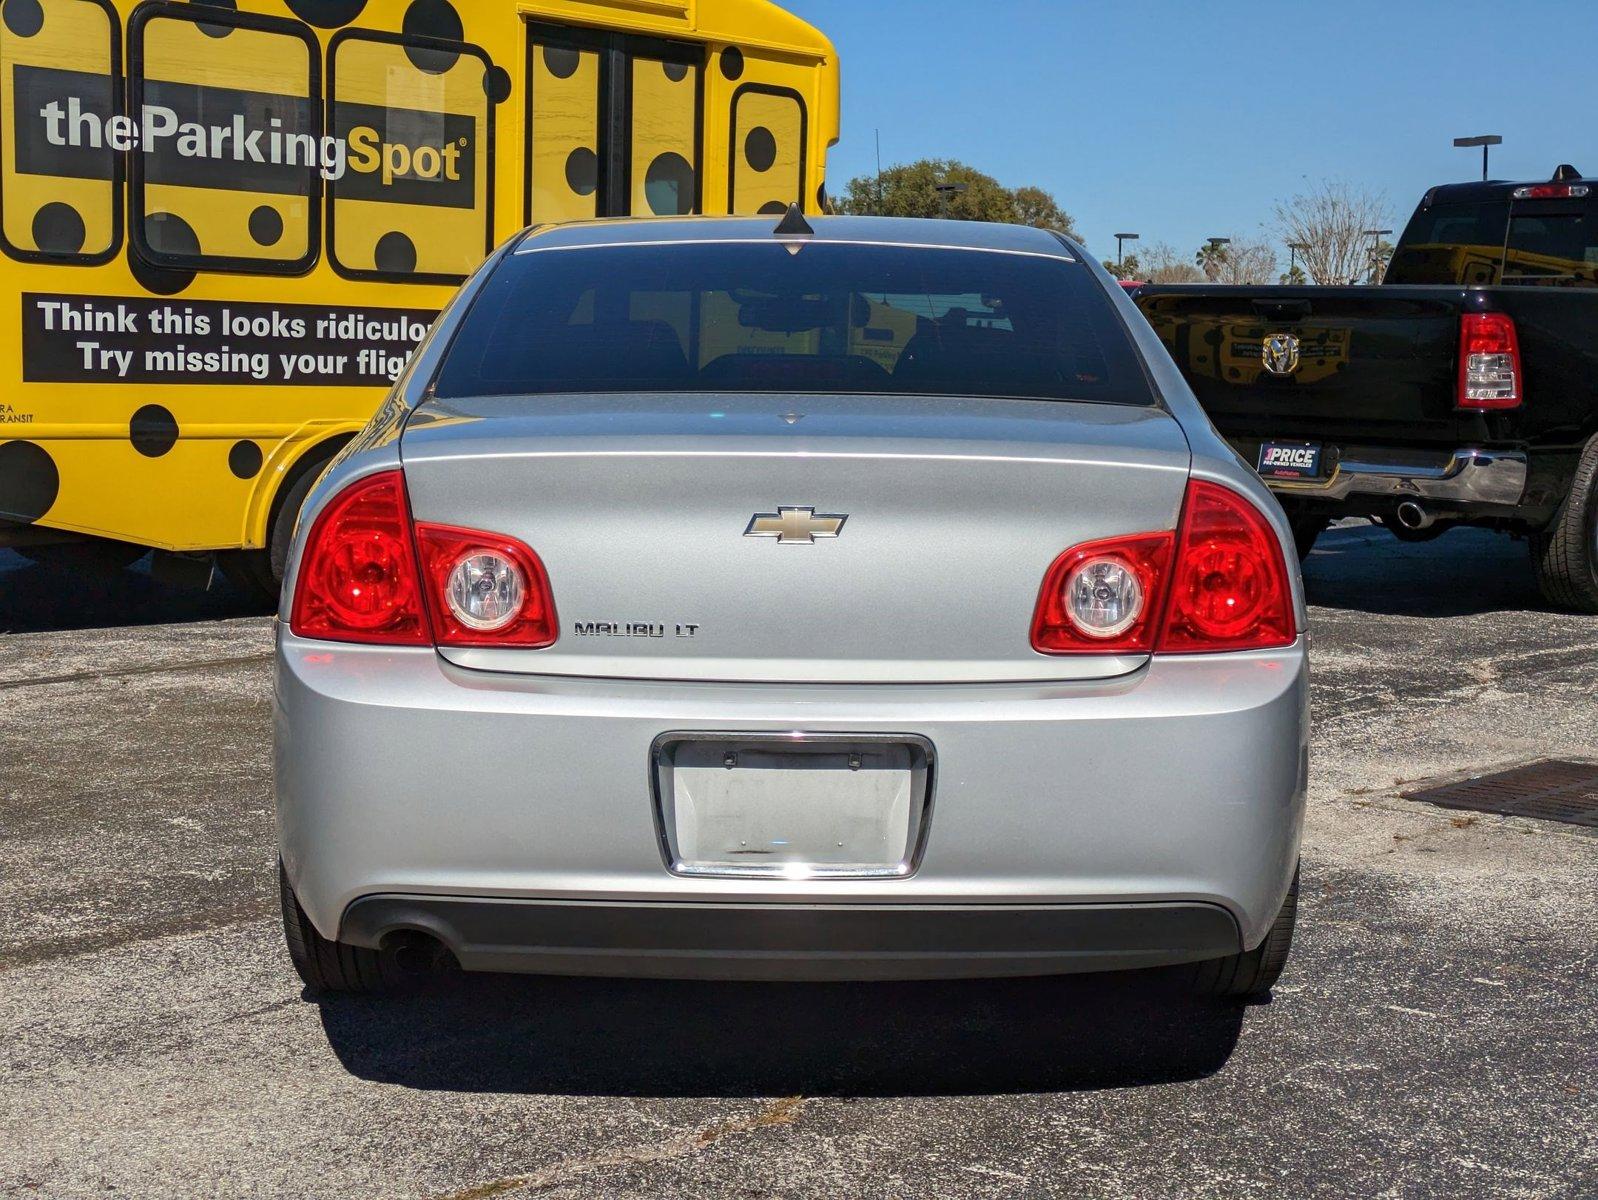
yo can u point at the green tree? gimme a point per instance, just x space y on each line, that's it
911 190
1034 206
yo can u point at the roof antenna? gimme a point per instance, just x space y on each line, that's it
1564 173
793 224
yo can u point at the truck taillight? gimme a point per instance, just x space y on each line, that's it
1489 363
361 578
1220 582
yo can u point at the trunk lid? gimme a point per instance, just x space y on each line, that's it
1375 364
952 511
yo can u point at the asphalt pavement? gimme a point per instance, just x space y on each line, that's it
1436 1033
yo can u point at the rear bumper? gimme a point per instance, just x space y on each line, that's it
1465 479
792 941
1074 825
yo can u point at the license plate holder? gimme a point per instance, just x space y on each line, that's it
1291 460
792 806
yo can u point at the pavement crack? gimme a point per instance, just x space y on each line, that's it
692 1141
204 664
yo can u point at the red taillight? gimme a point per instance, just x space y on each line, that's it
1489 362
358 580
1230 589
1128 572
1220 582
485 589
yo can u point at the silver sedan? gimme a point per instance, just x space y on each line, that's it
859 598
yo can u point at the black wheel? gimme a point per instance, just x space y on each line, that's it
1306 528
1564 557
259 573
325 966
1252 974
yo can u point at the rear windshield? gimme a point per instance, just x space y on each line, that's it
755 317
1548 243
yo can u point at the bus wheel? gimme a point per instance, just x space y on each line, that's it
86 553
259 573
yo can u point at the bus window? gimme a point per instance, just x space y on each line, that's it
563 167
413 201
61 177
665 120
767 170
228 174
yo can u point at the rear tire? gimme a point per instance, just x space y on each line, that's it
1251 974
259 573
328 967
1306 528
1564 557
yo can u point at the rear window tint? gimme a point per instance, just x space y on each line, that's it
831 318
1452 243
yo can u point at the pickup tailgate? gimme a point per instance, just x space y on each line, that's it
1375 365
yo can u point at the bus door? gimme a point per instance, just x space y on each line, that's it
613 126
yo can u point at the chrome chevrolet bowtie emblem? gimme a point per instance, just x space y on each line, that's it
1281 353
790 525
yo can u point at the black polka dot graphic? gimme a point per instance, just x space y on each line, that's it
560 61
773 208
58 229
29 481
326 14
153 431
244 460
760 148
266 225
434 19
496 84
732 62
821 198
669 186
676 72
395 254
582 171
23 17
166 233
212 28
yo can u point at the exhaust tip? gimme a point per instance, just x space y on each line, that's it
1413 517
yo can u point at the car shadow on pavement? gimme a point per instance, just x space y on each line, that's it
1463 572
625 1037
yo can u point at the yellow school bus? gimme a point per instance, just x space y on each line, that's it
224 225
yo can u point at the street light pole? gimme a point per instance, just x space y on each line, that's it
1120 253
1376 236
1484 141
945 190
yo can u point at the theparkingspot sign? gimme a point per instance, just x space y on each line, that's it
193 135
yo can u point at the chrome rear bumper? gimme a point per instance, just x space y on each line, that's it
1470 477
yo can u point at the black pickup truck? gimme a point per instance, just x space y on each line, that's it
1463 390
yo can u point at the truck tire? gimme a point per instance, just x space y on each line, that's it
1306 528
330 967
1564 556
1251 974
259 573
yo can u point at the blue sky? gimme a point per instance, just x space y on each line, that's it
1185 119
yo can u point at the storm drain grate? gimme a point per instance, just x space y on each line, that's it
1550 790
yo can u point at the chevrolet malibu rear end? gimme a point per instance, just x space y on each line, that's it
869 600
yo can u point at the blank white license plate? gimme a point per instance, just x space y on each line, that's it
792 807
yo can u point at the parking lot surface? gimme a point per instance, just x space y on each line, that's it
1436 1033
